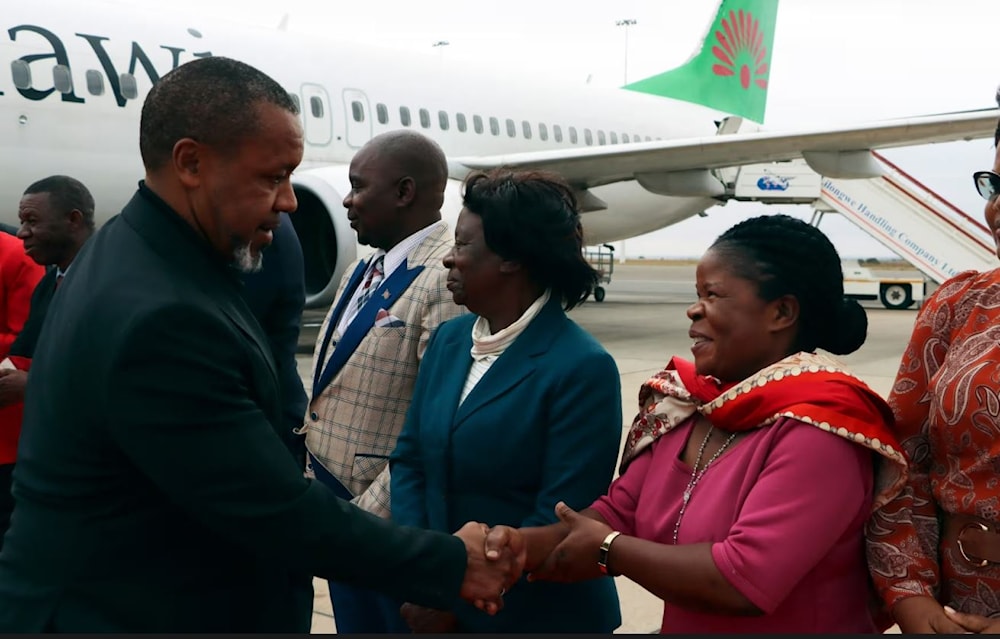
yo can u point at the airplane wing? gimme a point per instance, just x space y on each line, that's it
594 166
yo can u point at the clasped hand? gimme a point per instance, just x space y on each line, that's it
12 385
974 624
564 552
496 558
495 561
574 544
924 615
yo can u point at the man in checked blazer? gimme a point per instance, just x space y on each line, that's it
370 345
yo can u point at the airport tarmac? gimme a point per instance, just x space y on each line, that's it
642 323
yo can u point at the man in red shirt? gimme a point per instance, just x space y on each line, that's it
57 218
18 276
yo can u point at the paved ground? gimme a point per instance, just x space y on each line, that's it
642 323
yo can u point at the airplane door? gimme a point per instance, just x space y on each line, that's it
358 117
317 117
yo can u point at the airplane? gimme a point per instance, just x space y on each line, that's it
640 157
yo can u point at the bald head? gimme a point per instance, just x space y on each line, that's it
398 182
416 156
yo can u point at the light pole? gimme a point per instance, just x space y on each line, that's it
628 22
441 43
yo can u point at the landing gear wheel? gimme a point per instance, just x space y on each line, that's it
896 296
599 293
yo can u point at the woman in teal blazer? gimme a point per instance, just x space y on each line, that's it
515 407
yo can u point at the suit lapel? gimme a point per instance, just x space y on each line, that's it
248 324
450 368
516 363
383 298
47 288
338 311
451 384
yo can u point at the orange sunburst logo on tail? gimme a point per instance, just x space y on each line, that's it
741 48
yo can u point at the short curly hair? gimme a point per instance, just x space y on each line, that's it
66 194
531 217
207 100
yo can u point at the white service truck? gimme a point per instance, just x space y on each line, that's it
893 292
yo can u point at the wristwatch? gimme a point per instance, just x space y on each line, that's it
602 552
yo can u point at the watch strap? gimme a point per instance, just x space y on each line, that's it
602 553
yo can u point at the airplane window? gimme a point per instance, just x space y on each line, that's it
572 135
588 137
22 74
625 138
425 118
526 127
557 132
357 111
648 139
316 106
477 123
543 131
511 128
95 83
382 113
62 79
461 123
129 88
494 126
99 79
614 137
443 120
601 139
404 116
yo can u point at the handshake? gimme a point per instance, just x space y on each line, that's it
563 552
496 559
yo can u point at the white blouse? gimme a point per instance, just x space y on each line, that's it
486 348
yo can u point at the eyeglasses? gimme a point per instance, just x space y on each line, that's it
987 183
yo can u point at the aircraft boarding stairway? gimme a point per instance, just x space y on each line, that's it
897 210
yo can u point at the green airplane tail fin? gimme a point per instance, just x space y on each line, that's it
730 71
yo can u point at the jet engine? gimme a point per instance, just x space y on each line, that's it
329 244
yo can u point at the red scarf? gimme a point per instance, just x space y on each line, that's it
813 389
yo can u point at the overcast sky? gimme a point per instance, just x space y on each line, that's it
834 62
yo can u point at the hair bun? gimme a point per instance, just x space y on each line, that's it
849 330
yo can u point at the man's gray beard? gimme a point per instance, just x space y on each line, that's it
245 259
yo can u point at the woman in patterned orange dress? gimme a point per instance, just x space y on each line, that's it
934 551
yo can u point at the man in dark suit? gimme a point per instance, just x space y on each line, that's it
153 493
57 218
276 295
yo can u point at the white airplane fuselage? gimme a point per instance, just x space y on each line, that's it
89 129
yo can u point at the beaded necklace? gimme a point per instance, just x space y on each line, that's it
696 475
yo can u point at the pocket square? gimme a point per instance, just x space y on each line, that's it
384 320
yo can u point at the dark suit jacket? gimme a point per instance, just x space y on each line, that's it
542 425
276 295
153 491
25 342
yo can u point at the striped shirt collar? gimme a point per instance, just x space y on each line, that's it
398 254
